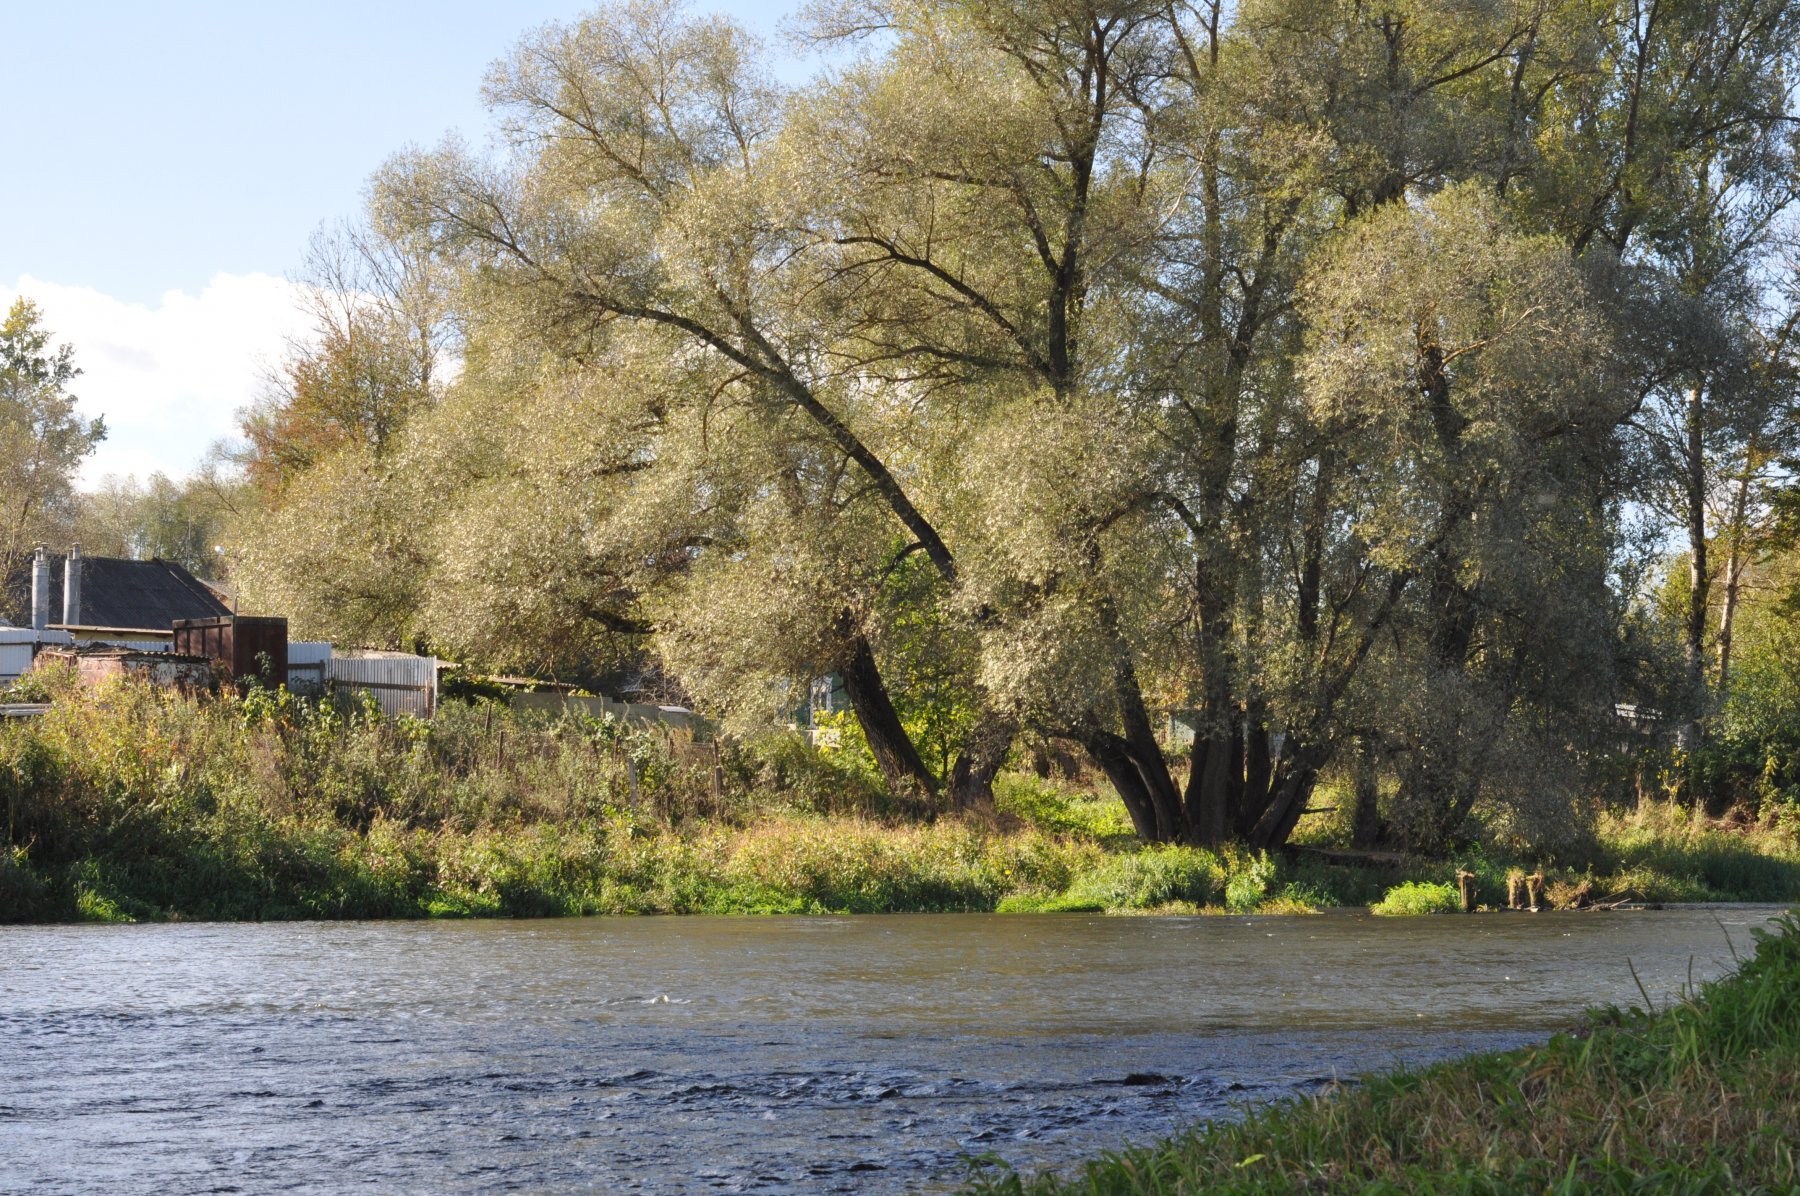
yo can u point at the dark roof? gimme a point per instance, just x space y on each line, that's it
141 595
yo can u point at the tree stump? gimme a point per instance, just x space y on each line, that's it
1465 887
1534 889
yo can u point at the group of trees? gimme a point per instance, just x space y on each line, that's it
184 520
1339 373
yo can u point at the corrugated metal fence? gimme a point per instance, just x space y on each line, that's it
401 684
309 665
18 645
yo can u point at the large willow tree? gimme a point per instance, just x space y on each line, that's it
1057 363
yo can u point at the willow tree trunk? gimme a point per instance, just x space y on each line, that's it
971 780
895 754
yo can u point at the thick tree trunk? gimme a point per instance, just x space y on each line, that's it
1259 761
1139 740
895 754
1734 576
1293 789
1312 549
1452 602
1428 775
1261 769
1113 757
1209 811
971 780
1146 756
1699 598
1216 776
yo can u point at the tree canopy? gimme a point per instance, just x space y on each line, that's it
43 438
1309 370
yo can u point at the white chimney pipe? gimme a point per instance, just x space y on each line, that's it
72 588
40 589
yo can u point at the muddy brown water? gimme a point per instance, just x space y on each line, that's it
868 1054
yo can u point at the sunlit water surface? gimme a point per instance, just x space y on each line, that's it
670 1055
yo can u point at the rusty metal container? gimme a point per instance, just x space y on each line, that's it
239 644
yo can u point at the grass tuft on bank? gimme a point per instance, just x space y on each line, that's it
1698 1097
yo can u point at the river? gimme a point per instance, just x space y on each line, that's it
868 1054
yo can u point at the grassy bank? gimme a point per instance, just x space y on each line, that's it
1696 1098
130 804
134 804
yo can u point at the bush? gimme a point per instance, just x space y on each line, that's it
23 893
812 781
1419 897
32 687
1051 807
1249 882
1661 853
128 802
1147 879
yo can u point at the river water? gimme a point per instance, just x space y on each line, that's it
870 1054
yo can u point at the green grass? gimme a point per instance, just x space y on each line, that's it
1662 854
1695 1098
129 804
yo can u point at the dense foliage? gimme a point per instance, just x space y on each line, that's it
43 440
1392 391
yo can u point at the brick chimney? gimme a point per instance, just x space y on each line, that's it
40 589
72 588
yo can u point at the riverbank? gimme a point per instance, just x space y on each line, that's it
1696 1097
131 804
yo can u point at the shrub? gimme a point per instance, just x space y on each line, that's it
1147 879
23 894
1419 897
1249 881
1051 807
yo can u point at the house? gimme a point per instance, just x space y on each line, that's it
110 599
82 602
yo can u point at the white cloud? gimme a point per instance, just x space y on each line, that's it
168 379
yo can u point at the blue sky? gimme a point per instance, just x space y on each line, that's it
166 162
